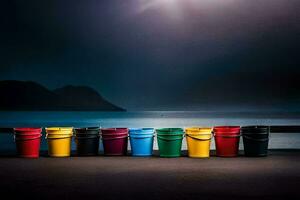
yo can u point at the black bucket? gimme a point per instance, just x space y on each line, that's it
87 141
256 140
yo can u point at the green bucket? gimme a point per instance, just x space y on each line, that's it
169 141
168 131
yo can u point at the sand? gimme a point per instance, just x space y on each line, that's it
274 177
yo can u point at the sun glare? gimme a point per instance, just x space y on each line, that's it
176 5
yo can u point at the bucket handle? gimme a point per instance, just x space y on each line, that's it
169 139
200 138
37 137
142 136
69 136
171 134
227 136
254 139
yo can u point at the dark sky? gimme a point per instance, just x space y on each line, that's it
159 54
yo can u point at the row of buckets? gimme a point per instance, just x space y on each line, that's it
115 141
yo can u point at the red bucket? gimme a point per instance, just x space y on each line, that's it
115 141
28 142
227 139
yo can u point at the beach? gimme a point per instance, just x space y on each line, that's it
274 177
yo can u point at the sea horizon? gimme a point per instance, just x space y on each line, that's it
146 118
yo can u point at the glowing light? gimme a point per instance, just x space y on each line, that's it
176 5
169 7
176 8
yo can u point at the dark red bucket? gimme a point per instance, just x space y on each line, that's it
114 131
28 142
227 139
115 141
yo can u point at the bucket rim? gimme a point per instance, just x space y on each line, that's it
59 129
115 138
58 136
90 128
207 137
248 137
114 135
27 129
169 130
140 129
256 127
227 135
31 137
198 127
114 129
87 137
198 130
226 129
255 130
24 134
87 132
255 133
196 134
169 134
141 135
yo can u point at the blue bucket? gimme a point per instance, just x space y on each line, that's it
141 141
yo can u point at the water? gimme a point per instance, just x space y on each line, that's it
143 119
153 119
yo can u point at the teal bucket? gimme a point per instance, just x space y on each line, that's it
169 141
141 141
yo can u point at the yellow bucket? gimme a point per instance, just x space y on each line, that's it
198 141
59 141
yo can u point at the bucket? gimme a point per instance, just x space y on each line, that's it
141 141
169 141
59 141
28 142
115 141
198 141
87 141
227 140
255 139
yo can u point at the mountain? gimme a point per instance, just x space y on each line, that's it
27 95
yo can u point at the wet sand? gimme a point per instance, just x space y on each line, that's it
274 177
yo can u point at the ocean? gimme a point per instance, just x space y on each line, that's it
155 119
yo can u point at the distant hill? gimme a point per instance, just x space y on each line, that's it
27 95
